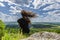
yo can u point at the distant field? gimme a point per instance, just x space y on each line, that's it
56 29
50 27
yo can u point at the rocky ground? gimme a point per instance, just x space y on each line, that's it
44 36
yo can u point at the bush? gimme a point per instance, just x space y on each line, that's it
2 27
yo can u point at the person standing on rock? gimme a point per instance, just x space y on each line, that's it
24 22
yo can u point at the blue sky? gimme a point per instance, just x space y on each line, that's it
46 10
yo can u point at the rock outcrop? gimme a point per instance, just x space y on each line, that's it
44 36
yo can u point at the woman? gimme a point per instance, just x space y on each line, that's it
25 21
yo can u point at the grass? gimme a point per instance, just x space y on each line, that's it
14 34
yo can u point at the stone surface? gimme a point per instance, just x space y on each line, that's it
44 36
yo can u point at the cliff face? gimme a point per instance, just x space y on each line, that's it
44 36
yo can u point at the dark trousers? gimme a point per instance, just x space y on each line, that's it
25 30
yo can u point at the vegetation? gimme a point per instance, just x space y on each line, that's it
56 30
14 33
2 27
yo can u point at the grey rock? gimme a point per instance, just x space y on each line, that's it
44 36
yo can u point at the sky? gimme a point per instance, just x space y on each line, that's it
46 10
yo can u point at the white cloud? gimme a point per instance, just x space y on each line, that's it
20 2
8 18
52 16
39 3
15 9
53 6
10 2
36 3
58 0
2 16
1 0
49 1
1 4
25 3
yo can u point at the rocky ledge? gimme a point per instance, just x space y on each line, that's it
44 36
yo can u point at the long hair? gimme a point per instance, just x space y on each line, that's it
27 13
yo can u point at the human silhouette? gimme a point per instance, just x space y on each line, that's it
25 21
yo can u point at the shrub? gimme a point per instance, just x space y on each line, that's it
2 27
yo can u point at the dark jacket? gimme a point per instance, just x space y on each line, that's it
23 23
